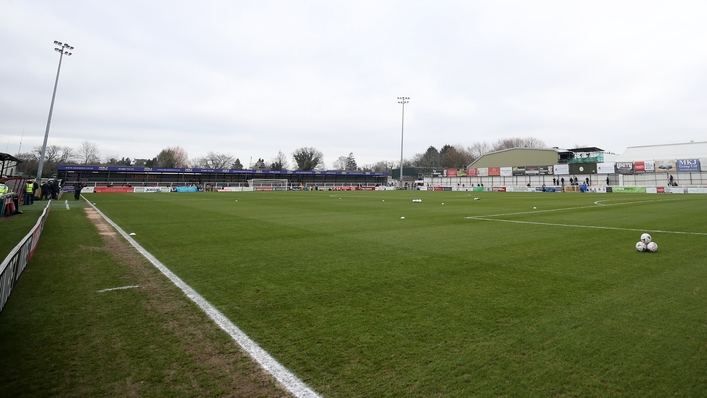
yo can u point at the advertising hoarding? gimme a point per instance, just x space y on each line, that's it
583 168
605 168
665 166
623 167
688 165
562 169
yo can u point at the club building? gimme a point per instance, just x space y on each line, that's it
672 165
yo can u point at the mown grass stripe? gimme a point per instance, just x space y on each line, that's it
587 226
290 381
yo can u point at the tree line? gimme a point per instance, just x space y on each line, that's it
305 158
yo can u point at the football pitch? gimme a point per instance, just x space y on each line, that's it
470 294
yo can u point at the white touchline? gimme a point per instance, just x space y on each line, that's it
569 208
118 288
588 226
291 382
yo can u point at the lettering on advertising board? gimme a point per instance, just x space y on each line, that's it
506 171
605 168
531 170
688 165
494 171
639 167
483 171
623 167
649 166
519 170
451 172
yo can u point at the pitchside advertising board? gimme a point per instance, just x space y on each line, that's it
623 167
583 168
688 165
16 262
514 171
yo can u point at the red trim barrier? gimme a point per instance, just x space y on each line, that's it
113 189
16 262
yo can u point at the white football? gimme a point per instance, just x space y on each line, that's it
640 246
652 247
402 218
646 238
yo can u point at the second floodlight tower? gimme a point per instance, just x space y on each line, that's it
402 100
62 49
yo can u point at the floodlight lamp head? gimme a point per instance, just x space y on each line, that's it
56 42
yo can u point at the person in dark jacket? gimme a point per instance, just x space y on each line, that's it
77 190
45 191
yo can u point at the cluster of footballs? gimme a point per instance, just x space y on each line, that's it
646 244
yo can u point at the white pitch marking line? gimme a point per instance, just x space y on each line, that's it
569 208
588 226
118 288
291 382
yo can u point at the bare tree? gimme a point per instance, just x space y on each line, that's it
175 157
280 162
308 158
517 142
53 157
88 153
214 160
340 163
478 149
380 166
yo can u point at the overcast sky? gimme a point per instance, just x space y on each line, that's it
252 78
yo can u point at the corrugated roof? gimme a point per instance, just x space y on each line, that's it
688 150
485 156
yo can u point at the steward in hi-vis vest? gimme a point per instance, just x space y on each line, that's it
29 192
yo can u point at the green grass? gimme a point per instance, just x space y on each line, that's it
358 302
15 227
61 336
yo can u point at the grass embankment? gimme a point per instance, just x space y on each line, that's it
358 302
61 336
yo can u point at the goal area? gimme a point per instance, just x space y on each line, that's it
268 184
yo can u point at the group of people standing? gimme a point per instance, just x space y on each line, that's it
48 190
